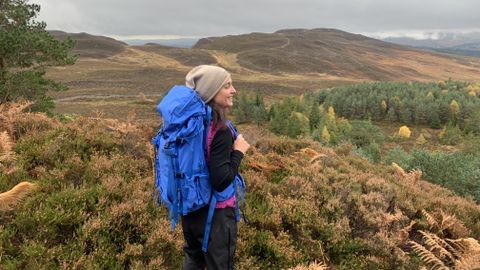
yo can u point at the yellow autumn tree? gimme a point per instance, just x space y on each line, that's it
384 105
322 109
442 85
404 132
331 112
473 89
325 134
421 139
454 108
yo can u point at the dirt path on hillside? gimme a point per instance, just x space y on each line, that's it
113 96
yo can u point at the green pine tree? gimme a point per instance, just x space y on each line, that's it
26 50
314 116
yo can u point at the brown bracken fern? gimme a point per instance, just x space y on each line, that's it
6 147
10 198
8 112
413 175
443 253
311 266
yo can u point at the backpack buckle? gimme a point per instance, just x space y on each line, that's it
179 175
179 140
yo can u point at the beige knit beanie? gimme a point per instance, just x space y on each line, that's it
206 80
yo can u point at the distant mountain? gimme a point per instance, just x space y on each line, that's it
472 49
92 46
438 40
455 43
337 53
180 43
323 54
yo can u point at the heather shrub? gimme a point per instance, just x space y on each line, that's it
93 208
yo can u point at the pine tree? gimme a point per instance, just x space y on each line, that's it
26 49
391 115
260 114
314 116
297 125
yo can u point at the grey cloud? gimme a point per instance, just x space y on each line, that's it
221 17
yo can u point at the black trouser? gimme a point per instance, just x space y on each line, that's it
221 245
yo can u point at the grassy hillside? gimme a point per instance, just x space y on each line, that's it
306 202
188 57
115 79
339 54
92 46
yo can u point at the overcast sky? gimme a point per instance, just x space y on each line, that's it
202 18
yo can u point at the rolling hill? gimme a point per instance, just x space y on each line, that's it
286 62
92 46
453 43
340 54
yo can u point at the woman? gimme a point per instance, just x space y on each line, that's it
224 154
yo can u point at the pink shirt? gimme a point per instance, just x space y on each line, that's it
230 202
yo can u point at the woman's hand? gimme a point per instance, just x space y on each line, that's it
241 144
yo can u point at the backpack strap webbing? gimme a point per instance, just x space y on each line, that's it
208 225
238 184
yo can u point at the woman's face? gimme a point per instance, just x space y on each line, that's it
224 97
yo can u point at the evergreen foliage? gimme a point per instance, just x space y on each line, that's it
457 171
432 104
26 49
450 135
250 109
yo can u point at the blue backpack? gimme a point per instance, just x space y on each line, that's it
181 173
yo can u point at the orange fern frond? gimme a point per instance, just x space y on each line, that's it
309 152
8 112
398 170
312 266
428 257
432 222
470 259
440 246
12 197
6 147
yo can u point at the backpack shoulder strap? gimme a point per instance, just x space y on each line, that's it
232 129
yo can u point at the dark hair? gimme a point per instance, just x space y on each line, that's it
219 115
